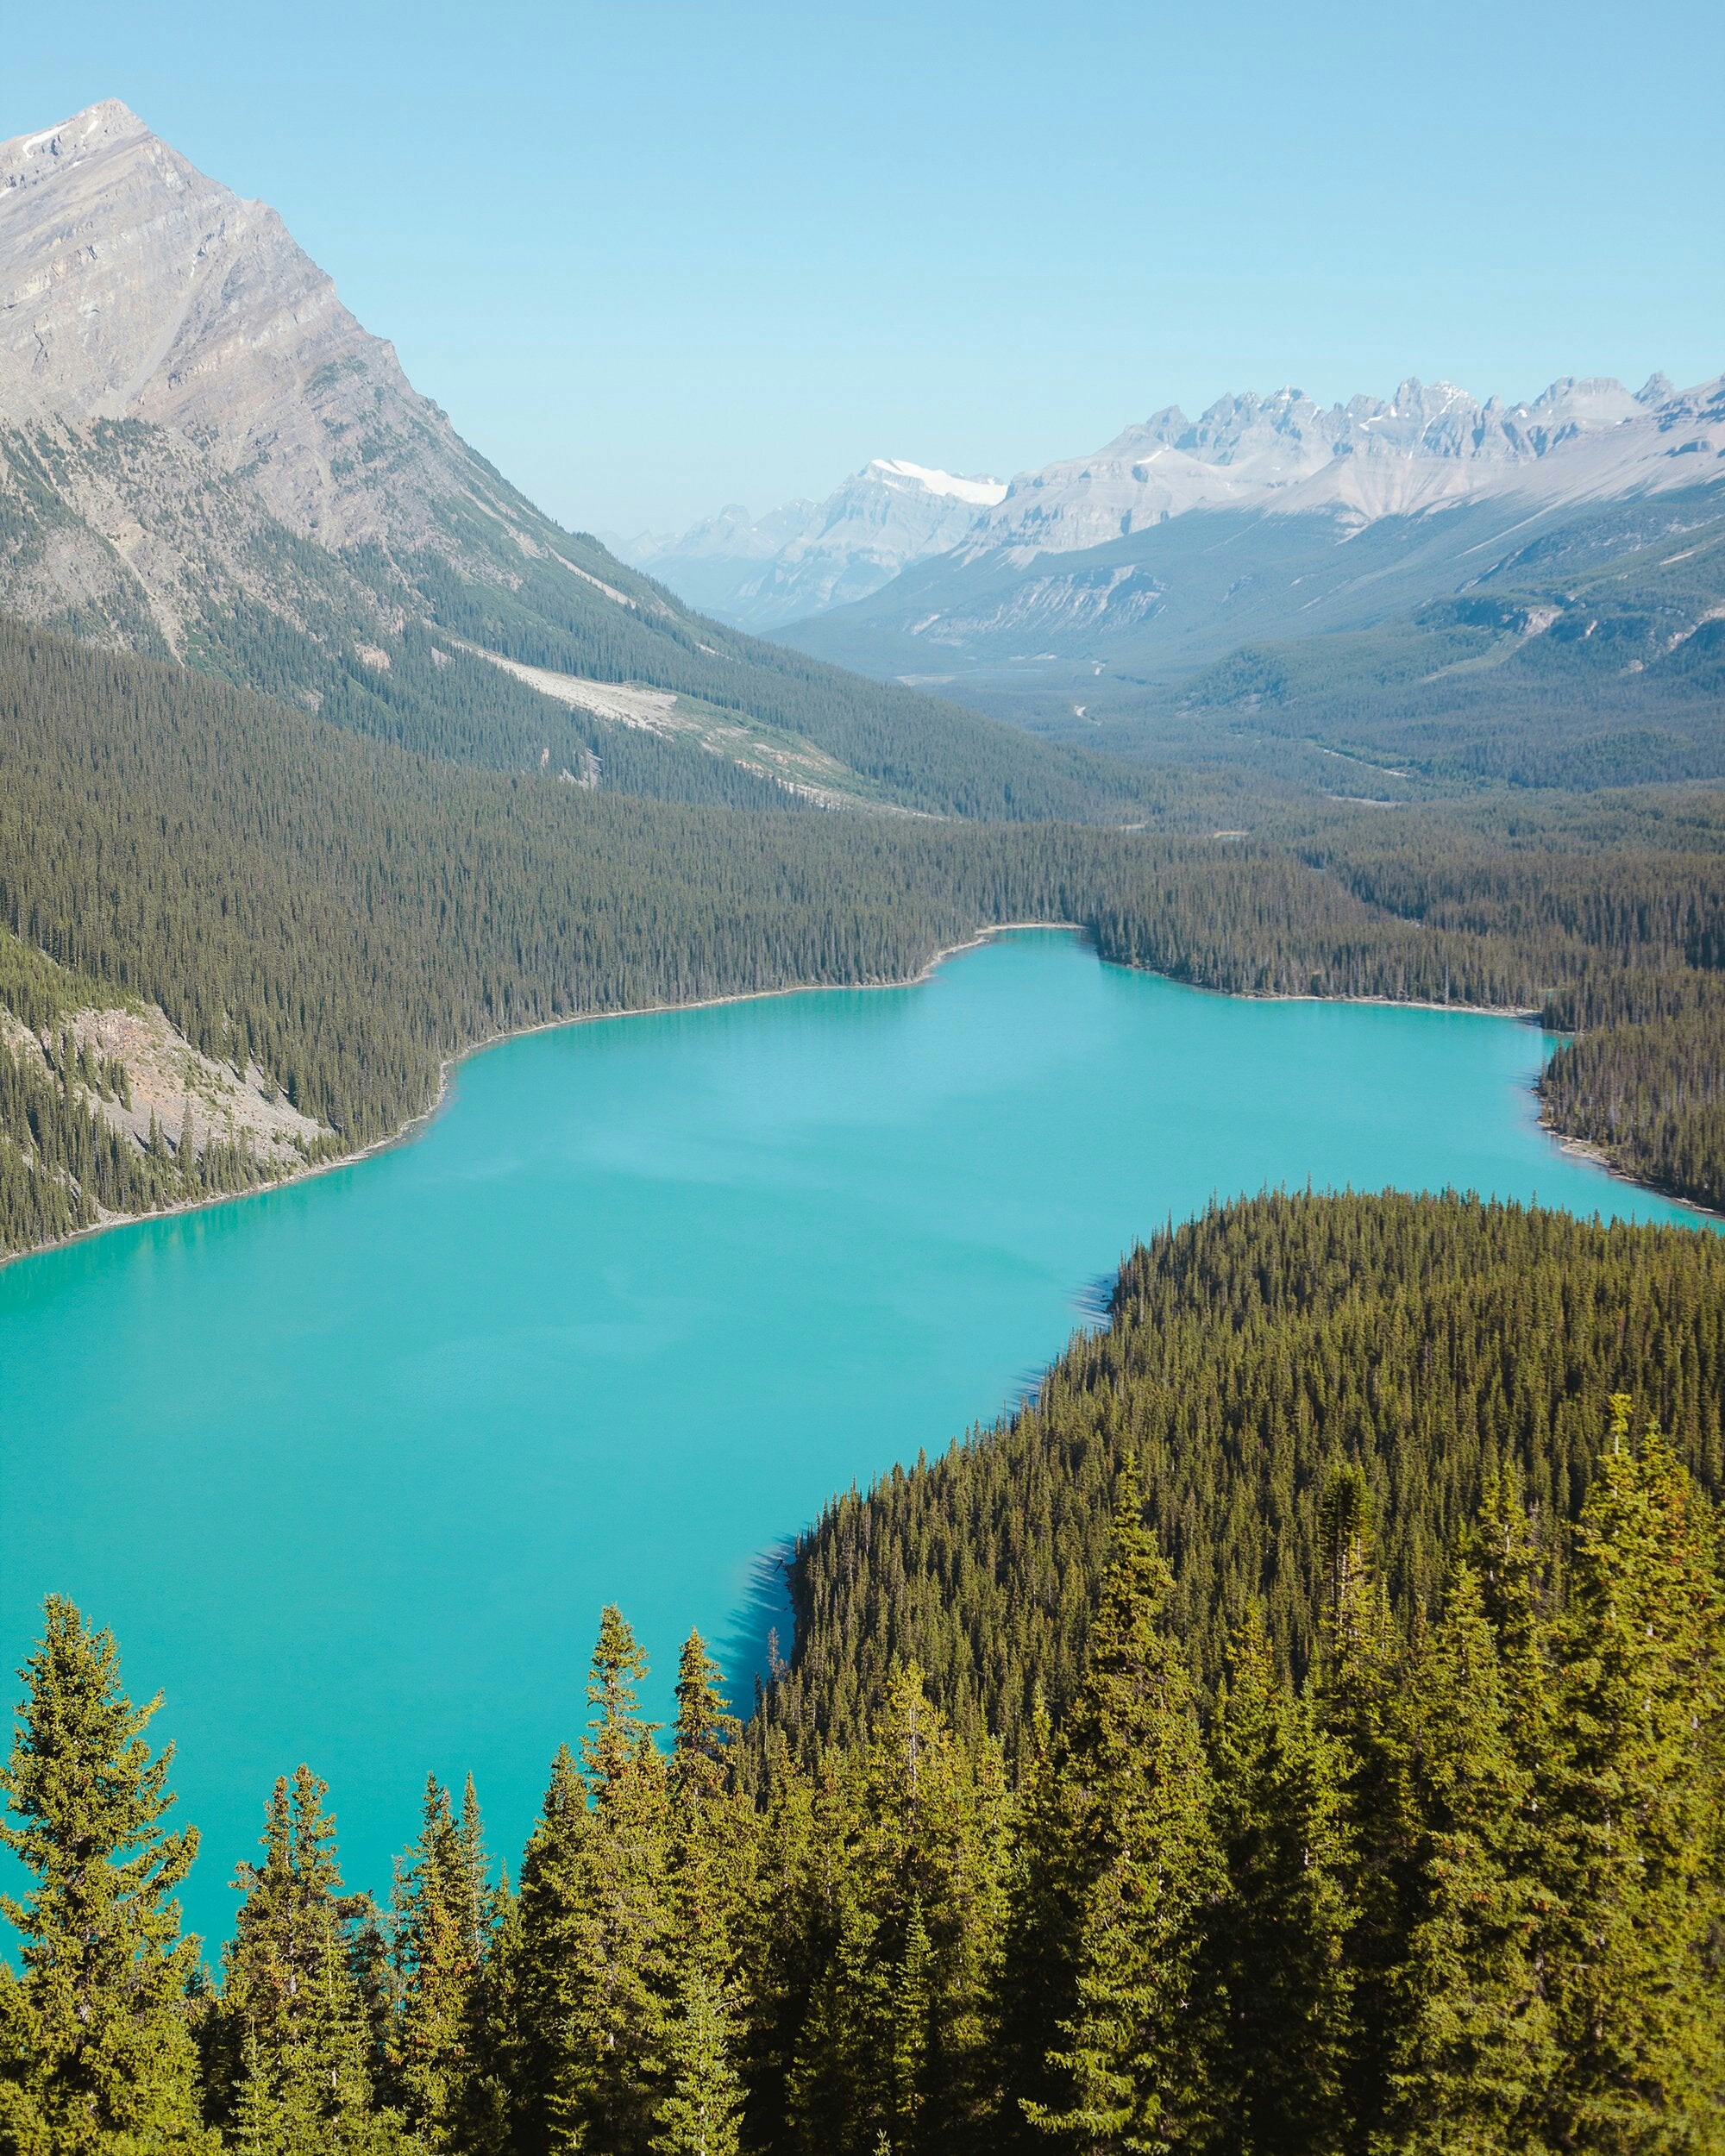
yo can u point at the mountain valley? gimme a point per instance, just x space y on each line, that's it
1186 590
203 457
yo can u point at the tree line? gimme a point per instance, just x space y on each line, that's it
1461 1889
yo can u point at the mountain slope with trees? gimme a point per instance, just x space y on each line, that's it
1436 1344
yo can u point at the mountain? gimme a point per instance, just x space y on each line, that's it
1591 656
203 457
137 289
808 556
1096 585
1362 460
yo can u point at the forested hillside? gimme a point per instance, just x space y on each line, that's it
403 643
1592 657
1434 1343
1495 643
1459 1889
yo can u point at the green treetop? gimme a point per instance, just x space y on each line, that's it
1473 2051
1634 1798
1277 1947
295 2036
1131 1844
444 1913
96 2048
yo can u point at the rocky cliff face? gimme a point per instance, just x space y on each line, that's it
132 287
197 437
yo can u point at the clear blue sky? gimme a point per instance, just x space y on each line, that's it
655 257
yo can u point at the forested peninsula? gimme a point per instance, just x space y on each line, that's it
1325 1756
316 919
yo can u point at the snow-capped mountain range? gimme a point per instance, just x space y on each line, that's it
1428 446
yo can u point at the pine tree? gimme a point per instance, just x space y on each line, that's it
912 1997
1032 1992
838 2078
1352 1686
1473 2053
701 2113
443 1924
1514 1571
295 2045
547 1971
784 1936
907 1920
708 1881
1276 1952
615 1726
594 1918
1632 1797
1136 1866
712 1824
492 2090
96 2053
705 1731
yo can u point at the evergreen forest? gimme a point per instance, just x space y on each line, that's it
1460 1886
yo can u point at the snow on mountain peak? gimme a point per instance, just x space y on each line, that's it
983 492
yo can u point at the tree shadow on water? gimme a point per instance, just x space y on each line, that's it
1093 1304
762 1626
1094 1300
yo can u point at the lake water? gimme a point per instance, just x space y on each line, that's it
351 1467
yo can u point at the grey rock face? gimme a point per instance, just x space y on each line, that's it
132 287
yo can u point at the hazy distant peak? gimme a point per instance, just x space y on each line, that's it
805 557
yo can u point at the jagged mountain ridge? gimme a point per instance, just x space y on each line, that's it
1267 517
808 556
204 455
1426 447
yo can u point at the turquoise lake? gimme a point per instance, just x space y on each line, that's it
351 1467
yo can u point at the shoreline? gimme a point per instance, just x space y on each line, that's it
452 1062
1583 1148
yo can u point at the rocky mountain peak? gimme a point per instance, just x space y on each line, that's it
28 159
132 287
